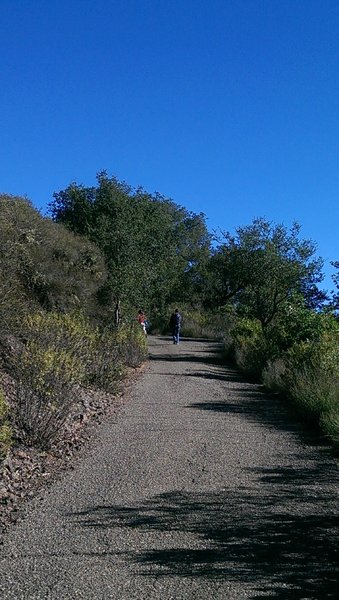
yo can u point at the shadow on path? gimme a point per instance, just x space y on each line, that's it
208 359
241 538
277 538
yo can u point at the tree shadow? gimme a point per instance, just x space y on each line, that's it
283 549
208 359
223 375
253 403
246 398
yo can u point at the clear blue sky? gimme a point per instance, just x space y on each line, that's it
229 107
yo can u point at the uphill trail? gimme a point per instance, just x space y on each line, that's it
200 487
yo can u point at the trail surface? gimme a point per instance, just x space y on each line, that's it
201 487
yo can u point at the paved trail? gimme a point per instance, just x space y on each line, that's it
200 488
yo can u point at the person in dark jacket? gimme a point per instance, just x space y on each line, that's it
175 324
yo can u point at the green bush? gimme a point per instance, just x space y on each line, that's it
71 335
59 352
44 392
251 349
311 377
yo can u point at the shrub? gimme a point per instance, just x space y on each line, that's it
44 393
43 265
106 368
5 428
312 377
273 375
132 344
66 333
251 350
57 353
54 358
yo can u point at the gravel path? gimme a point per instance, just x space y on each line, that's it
200 487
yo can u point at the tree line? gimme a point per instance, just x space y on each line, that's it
107 250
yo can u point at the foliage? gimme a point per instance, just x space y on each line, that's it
251 349
59 353
47 368
335 278
44 394
132 345
111 249
106 368
273 376
322 350
43 265
115 350
57 356
5 428
263 268
152 246
70 334
309 374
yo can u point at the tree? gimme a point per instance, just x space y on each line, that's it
263 267
335 278
152 246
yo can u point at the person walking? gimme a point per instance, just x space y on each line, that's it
142 320
175 324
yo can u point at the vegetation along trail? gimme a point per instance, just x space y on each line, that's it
201 487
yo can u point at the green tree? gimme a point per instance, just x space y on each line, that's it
263 268
152 246
335 278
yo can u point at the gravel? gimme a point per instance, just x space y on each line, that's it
199 487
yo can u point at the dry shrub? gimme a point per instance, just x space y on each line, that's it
47 366
132 345
106 369
315 390
44 394
273 375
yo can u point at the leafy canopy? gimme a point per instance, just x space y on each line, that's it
152 246
263 268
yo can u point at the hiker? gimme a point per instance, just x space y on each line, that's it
141 318
175 322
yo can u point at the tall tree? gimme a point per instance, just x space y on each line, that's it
263 267
152 246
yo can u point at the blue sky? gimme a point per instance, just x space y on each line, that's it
230 108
